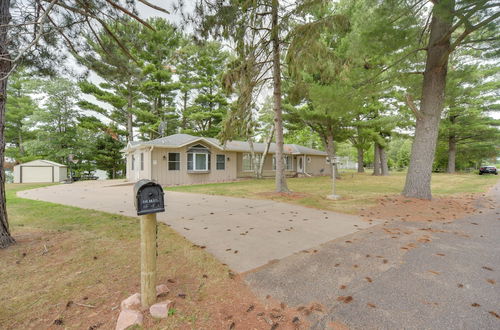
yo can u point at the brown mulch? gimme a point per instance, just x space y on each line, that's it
414 209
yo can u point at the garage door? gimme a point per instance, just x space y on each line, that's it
36 174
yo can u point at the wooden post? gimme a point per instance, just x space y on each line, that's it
148 260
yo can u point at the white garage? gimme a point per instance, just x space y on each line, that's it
40 171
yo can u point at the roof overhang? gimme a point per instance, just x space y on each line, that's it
131 147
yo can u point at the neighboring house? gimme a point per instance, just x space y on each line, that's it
344 163
101 175
185 159
40 171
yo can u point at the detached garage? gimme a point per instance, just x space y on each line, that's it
40 171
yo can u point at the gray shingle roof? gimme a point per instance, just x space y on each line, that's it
179 140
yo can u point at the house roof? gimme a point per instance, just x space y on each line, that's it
181 140
38 161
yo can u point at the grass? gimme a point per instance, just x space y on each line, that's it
66 255
358 190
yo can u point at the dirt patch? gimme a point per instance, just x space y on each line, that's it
282 195
413 209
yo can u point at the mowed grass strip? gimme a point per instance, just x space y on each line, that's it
358 190
67 256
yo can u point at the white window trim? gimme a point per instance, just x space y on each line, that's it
194 161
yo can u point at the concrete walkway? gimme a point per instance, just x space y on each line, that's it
243 233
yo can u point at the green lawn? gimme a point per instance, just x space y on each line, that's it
357 190
66 256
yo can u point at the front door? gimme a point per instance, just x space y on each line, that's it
300 164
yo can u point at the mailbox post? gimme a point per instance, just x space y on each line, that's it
148 200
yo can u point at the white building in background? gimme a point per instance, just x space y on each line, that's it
344 163
40 171
101 175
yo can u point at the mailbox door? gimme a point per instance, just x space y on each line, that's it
150 200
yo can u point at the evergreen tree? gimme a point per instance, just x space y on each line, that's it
471 96
257 31
156 109
454 24
55 122
121 73
20 105
209 105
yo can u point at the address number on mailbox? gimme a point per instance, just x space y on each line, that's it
149 197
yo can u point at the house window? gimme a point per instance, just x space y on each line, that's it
288 162
132 165
248 163
142 161
221 162
174 161
198 158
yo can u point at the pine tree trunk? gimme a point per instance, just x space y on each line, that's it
361 160
5 66
130 127
376 160
418 178
384 167
452 153
266 151
184 111
20 141
281 185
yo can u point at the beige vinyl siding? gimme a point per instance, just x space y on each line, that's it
317 165
161 173
60 174
138 174
156 166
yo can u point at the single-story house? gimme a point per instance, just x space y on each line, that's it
40 171
185 159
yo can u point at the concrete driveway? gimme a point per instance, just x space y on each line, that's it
243 233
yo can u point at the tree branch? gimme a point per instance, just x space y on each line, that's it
412 106
129 13
37 37
473 28
149 4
